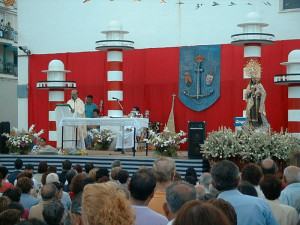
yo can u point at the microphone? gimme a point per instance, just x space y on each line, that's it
115 98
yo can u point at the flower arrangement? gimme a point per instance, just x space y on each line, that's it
250 146
165 143
20 141
102 139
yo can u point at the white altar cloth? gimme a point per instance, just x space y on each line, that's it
135 122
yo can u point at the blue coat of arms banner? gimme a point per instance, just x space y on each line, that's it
199 76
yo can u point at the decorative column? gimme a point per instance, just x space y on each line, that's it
252 39
292 79
114 45
56 83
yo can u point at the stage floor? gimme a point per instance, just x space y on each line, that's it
129 154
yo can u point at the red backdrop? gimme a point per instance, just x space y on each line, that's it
151 77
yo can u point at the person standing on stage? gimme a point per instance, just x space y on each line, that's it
89 106
78 109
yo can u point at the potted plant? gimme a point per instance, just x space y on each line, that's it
20 141
102 139
165 143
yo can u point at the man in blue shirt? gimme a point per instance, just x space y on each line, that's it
89 107
249 210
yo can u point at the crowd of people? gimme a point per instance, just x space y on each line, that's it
88 195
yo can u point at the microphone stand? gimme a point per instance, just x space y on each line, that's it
121 106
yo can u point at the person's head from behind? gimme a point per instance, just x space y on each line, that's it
52 177
33 221
191 172
17 206
70 175
271 187
100 200
177 194
4 202
295 159
77 183
10 217
43 167
52 169
25 184
190 180
89 99
53 212
3 172
66 165
291 174
60 187
88 166
14 194
247 189
123 177
196 212
142 185
252 173
164 169
75 211
225 175
29 168
268 166
226 208
18 164
205 179
116 163
48 192
135 109
115 172
102 173
92 173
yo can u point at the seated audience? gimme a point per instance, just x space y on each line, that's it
88 167
69 176
205 180
249 209
164 170
104 204
141 186
226 208
10 217
190 180
123 178
284 214
18 169
116 163
195 212
92 173
78 168
26 184
75 214
114 173
4 174
291 178
48 193
4 202
102 175
252 173
269 166
191 172
42 168
177 194
77 184
177 177
66 166
295 159
53 213
247 189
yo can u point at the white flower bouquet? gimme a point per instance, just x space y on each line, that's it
102 139
20 141
165 143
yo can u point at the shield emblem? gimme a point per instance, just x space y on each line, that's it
199 76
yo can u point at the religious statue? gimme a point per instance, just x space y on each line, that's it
255 97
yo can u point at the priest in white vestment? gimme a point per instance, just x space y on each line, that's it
78 110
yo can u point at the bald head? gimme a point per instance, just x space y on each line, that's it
74 94
48 192
269 166
205 179
291 175
200 190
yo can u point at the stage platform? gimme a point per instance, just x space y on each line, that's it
103 159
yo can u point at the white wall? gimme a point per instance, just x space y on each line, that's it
8 108
52 26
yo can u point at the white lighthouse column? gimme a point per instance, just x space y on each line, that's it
114 45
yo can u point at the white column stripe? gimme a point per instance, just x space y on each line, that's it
114 56
294 115
115 94
252 51
56 96
115 113
114 75
294 92
52 135
52 116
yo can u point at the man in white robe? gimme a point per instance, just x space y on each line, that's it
78 109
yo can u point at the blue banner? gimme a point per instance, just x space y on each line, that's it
199 76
